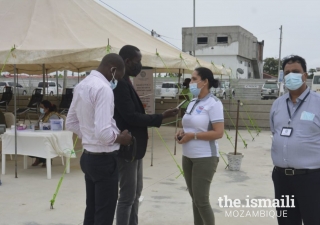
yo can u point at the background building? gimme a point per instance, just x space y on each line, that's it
232 46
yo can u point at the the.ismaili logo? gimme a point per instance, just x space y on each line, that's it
143 74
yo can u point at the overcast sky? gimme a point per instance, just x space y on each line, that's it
263 18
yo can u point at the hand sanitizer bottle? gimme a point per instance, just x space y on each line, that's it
40 125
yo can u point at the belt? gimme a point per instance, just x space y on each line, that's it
291 171
100 153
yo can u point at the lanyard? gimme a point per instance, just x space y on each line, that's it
194 105
290 117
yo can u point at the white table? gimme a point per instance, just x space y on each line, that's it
44 144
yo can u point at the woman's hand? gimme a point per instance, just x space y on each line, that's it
186 137
180 133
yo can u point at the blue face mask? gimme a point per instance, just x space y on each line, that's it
113 84
114 81
193 87
293 81
42 110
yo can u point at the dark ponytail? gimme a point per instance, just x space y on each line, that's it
205 73
49 105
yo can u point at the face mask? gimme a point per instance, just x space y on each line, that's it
42 110
194 89
114 81
293 81
136 69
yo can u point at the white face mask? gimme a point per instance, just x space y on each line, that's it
293 81
193 87
42 110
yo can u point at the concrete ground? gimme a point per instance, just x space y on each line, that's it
26 200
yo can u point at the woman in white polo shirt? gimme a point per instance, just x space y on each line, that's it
203 124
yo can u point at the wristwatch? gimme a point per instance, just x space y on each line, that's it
195 136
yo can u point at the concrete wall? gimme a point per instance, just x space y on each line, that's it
219 50
232 62
242 45
257 110
247 47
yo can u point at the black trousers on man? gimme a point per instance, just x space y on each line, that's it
101 177
306 191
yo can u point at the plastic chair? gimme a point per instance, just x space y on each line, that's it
6 98
66 101
9 117
33 106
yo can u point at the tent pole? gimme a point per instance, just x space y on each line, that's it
57 85
193 28
43 80
177 117
15 122
230 96
154 107
57 80
78 76
65 74
183 74
47 82
17 71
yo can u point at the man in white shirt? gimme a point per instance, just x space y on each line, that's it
91 118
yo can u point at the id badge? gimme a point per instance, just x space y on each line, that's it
286 131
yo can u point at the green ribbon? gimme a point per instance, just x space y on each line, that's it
198 62
5 62
228 137
252 121
157 54
52 201
248 129
108 49
184 61
244 142
166 146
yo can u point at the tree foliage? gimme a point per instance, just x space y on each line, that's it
311 73
270 66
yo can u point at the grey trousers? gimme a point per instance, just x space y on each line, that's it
198 173
130 182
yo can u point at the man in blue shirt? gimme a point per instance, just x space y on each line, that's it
295 125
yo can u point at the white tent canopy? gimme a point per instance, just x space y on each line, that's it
74 34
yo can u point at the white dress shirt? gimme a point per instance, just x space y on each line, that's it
91 114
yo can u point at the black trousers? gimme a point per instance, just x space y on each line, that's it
306 191
101 177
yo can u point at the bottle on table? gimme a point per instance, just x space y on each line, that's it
40 125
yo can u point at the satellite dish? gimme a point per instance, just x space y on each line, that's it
239 70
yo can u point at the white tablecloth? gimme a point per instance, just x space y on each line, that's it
44 144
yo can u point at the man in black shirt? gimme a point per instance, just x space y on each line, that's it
130 115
